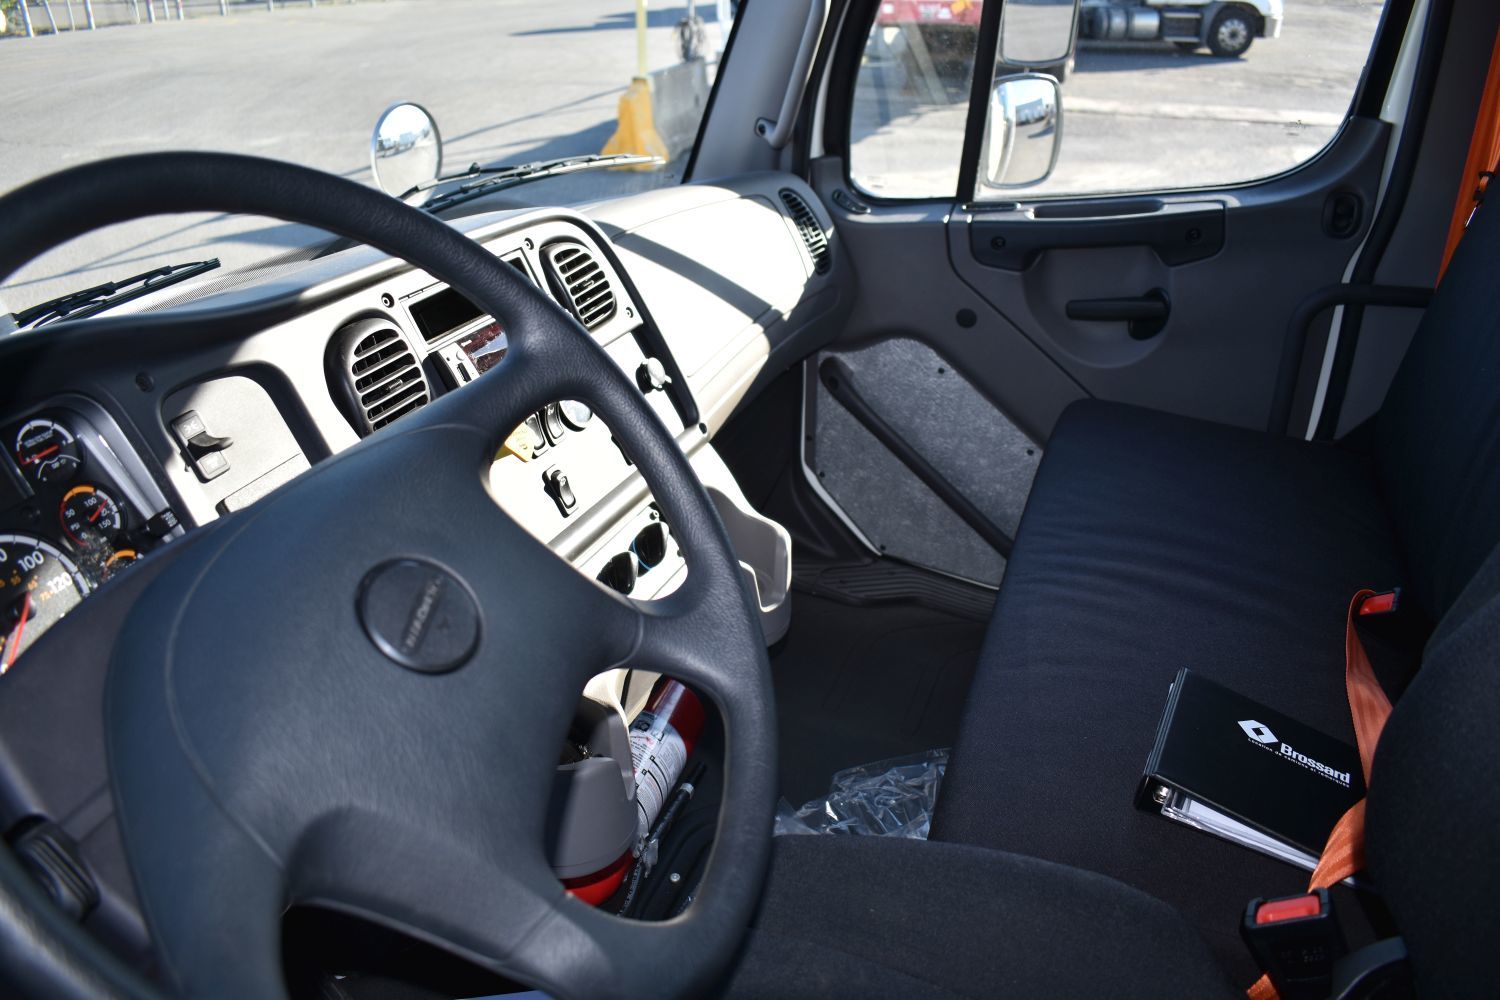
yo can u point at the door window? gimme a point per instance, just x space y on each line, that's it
1159 97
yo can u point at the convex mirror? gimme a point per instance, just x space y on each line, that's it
405 150
1024 131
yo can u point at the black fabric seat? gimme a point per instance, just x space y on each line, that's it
1152 542
874 917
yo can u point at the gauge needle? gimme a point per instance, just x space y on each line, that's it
95 515
33 459
13 645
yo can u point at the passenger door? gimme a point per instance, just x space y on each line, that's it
1195 202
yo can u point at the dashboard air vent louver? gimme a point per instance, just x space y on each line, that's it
582 283
809 228
379 374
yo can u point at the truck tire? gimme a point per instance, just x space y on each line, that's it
1232 31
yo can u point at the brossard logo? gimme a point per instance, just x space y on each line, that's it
1261 735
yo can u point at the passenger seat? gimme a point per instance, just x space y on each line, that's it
1153 542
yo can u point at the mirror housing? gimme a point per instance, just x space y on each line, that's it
1037 33
1024 131
406 150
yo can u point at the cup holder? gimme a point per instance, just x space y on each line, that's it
765 552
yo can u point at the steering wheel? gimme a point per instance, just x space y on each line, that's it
352 694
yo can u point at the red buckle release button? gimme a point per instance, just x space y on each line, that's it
1380 604
1291 908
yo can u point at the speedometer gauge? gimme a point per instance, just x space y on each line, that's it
47 451
38 585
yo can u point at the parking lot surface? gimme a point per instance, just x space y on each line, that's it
515 80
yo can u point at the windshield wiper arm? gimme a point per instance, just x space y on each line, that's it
87 302
487 180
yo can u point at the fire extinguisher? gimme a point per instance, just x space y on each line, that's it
661 738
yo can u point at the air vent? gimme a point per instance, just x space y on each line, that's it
582 283
810 229
378 373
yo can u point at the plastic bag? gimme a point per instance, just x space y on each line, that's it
888 798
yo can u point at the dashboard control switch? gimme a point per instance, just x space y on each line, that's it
652 375
204 451
559 489
161 524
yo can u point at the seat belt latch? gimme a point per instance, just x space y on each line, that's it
1296 940
1381 604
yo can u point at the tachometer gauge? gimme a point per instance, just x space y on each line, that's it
575 414
89 515
47 451
38 585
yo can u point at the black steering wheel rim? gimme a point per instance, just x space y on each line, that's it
260 787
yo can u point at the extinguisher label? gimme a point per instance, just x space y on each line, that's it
658 755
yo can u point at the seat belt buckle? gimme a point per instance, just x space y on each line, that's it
1296 940
1384 603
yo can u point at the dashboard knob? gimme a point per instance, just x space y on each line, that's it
651 375
651 544
619 573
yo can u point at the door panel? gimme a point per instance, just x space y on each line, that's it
1217 353
1009 325
968 442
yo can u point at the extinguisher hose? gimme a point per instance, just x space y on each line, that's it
652 846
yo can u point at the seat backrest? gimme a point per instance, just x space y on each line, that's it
1433 828
1439 431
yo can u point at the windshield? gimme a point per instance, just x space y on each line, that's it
507 82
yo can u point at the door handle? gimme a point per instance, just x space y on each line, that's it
1146 314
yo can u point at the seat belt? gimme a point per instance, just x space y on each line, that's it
1344 852
1483 159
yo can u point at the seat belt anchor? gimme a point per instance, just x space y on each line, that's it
1296 940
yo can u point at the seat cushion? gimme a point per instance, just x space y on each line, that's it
874 917
1150 543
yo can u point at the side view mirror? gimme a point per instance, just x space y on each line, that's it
1024 132
1036 33
405 150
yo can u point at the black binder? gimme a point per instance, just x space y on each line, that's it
1230 766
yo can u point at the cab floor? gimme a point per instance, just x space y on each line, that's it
861 684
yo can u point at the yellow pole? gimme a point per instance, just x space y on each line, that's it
636 131
640 37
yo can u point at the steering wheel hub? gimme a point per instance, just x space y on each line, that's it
419 615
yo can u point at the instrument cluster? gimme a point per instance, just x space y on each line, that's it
69 521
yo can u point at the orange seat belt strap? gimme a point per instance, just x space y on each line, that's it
1344 852
1482 161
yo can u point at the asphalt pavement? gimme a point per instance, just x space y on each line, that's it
516 80
507 80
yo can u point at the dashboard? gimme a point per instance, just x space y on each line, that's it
125 432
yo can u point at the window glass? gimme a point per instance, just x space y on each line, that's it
911 98
1158 97
507 83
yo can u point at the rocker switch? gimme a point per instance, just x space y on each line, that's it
204 451
560 490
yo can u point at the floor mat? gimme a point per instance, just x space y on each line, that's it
860 684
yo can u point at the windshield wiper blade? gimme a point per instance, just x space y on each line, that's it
487 180
88 301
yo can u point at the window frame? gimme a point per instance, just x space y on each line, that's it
1365 102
